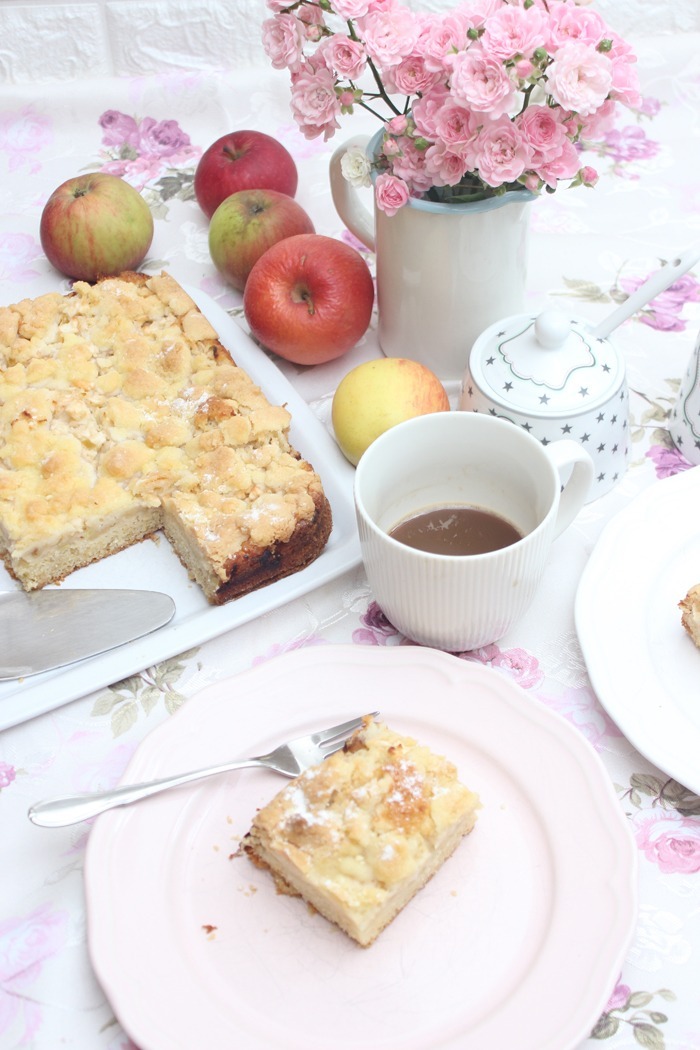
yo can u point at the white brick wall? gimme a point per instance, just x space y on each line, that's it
45 40
49 40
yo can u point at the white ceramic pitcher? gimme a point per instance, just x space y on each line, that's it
445 272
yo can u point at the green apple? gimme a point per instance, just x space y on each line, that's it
377 395
246 224
95 225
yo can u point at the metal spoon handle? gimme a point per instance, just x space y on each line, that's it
657 283
71 809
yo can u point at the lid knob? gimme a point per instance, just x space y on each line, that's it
552 329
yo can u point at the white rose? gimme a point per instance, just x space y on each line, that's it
355 167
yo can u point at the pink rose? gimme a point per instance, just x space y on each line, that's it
442 36
344 55
397 125
163 138
597 124
390 35
446 167
480 81
514 31
455 124
427 110
391 193
619 997
282 41
410 166
314 103
7 775
667 461
564 165
671 842
589 176
569 22
411 76
543 133
118 129
502 152
515 663
579 78
625 82
351 9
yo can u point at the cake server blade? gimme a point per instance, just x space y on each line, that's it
51 628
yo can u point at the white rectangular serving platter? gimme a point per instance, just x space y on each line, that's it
152 565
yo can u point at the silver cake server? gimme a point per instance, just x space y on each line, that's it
51 628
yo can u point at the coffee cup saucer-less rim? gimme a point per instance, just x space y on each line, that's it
484 423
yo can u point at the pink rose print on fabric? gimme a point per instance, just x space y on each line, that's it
140 151
667 461
619 997
376 629
517 664
26 943
7 775
580 707
630 143
287 647
23 135
670 841
18 251
664 311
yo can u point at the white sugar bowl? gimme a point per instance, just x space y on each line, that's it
556 378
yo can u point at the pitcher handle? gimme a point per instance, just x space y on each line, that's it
569 455
358 219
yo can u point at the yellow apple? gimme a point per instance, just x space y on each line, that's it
377 395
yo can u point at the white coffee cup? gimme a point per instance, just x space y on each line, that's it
457 603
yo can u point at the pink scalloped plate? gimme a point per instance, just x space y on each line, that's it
516 942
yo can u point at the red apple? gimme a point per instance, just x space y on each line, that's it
309 298
243 160
94 226
246 224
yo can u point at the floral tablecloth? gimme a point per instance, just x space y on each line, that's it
589 249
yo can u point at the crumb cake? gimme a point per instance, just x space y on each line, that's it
358 836
122 414
690 613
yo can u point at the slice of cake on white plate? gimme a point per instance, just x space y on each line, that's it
360 834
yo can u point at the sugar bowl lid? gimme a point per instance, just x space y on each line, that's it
545 365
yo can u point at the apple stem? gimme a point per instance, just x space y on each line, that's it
309 302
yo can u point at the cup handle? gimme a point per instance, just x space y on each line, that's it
569 456
358 219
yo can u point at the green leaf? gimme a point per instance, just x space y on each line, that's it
173 701
605 1027
638 999
124 718
690 807
648 1036
646 784
149 698
676 793
104 703
657 1017
667 994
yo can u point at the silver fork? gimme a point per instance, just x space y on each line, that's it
289 759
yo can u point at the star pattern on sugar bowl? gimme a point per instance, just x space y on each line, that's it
549 375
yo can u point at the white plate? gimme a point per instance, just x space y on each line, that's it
643 666
154 566
516 942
